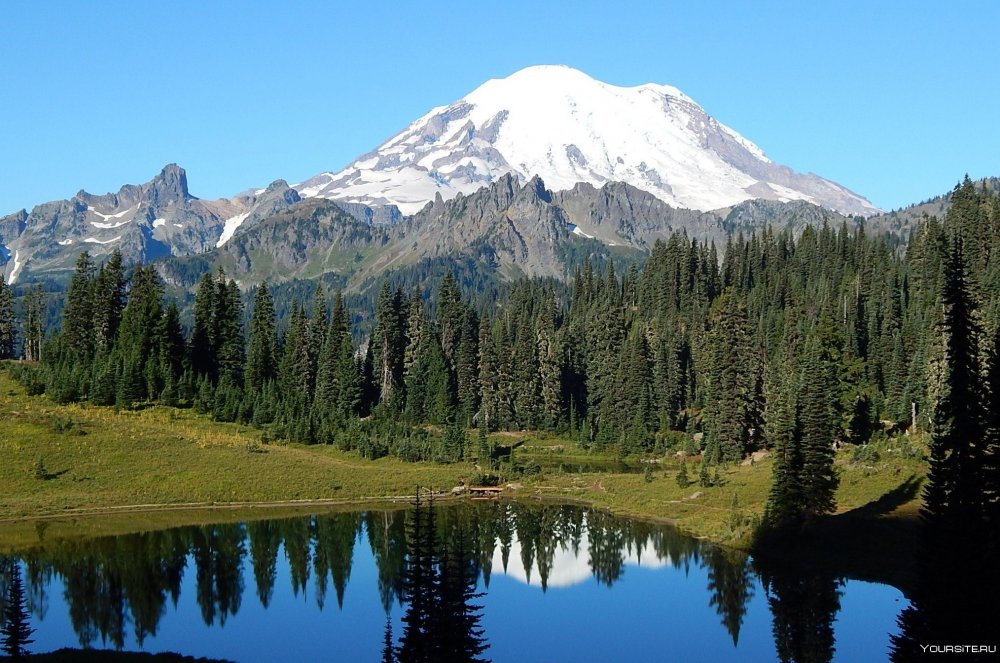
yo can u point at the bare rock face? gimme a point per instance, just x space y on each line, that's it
145 222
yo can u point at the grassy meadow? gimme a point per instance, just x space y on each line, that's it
75 470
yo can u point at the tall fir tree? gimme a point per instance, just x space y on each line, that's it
262 349
78 315
34 324
8 322
388 343
109 301
202 343
16 632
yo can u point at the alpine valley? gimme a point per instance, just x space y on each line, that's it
555 289
525 175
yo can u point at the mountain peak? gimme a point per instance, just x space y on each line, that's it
566 127
558 79
170 184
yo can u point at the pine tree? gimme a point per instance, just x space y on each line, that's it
296 365
486 448
467 368
388 343
416 322
953 498
262 350
138 340
16 632
819 423
458 633
318 326
731 379
682 476
109 301
785 500
550 371
8 324
78 315
388 652
172 350
202 347
451 312
421 585
527 396
34 324
455 439
489 405
227 324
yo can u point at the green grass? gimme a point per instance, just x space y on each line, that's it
164 466
97 458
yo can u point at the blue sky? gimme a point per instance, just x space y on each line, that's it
895 100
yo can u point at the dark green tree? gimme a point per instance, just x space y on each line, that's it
202 345
8 323
109 301
16 632
388 343
78 316
34 324
262 351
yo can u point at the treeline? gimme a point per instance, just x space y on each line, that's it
787 343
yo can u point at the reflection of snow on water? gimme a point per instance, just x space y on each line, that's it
568 568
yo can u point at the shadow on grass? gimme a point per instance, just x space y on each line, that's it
899 496
876 542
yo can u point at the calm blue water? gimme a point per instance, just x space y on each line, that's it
577 585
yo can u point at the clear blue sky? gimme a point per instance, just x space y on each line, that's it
895 100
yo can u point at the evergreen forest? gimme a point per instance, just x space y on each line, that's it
791 344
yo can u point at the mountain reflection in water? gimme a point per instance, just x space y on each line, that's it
610 587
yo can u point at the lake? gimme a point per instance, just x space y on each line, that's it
495 580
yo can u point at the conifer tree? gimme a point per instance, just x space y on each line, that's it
416 322
388 649
451 312
202 347
296 365
16 633
8 326
172 351
730 407
228 326
819 423
954 498
34 324
388 343
528 397
467 367
489 401
109 301
262 351
138 338
78 316
682 476
550 371
318 326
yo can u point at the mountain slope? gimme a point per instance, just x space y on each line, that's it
145 222
499 232
560 124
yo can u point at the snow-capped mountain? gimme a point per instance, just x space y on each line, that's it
564 126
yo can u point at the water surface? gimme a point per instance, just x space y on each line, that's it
529 582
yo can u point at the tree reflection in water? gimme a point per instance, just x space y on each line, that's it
433 560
